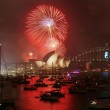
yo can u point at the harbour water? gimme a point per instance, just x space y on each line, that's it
26 99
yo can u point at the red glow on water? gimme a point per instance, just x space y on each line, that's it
27 101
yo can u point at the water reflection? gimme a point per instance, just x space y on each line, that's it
26 99
105 74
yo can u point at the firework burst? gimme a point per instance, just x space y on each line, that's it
52 44
46 22
61 50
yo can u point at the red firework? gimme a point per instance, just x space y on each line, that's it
46 22
52 44
61 50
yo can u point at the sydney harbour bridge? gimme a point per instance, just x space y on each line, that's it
98 57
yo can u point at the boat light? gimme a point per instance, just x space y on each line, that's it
93 102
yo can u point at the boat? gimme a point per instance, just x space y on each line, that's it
60 82
57 93
52 78
40 84
92 88
100 103
30 87
39 80
56 85
74 89
67 81
47 96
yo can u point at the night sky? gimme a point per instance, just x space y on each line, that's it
88 20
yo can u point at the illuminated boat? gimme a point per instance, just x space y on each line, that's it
100 103
56 85
57 93
47 96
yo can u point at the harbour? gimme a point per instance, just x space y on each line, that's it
30 99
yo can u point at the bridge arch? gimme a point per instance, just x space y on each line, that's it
93 54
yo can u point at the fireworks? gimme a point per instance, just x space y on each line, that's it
61 50
52 44
47 29
45 22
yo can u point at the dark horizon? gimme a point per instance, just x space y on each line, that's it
88 20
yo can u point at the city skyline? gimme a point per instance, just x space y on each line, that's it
88 25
